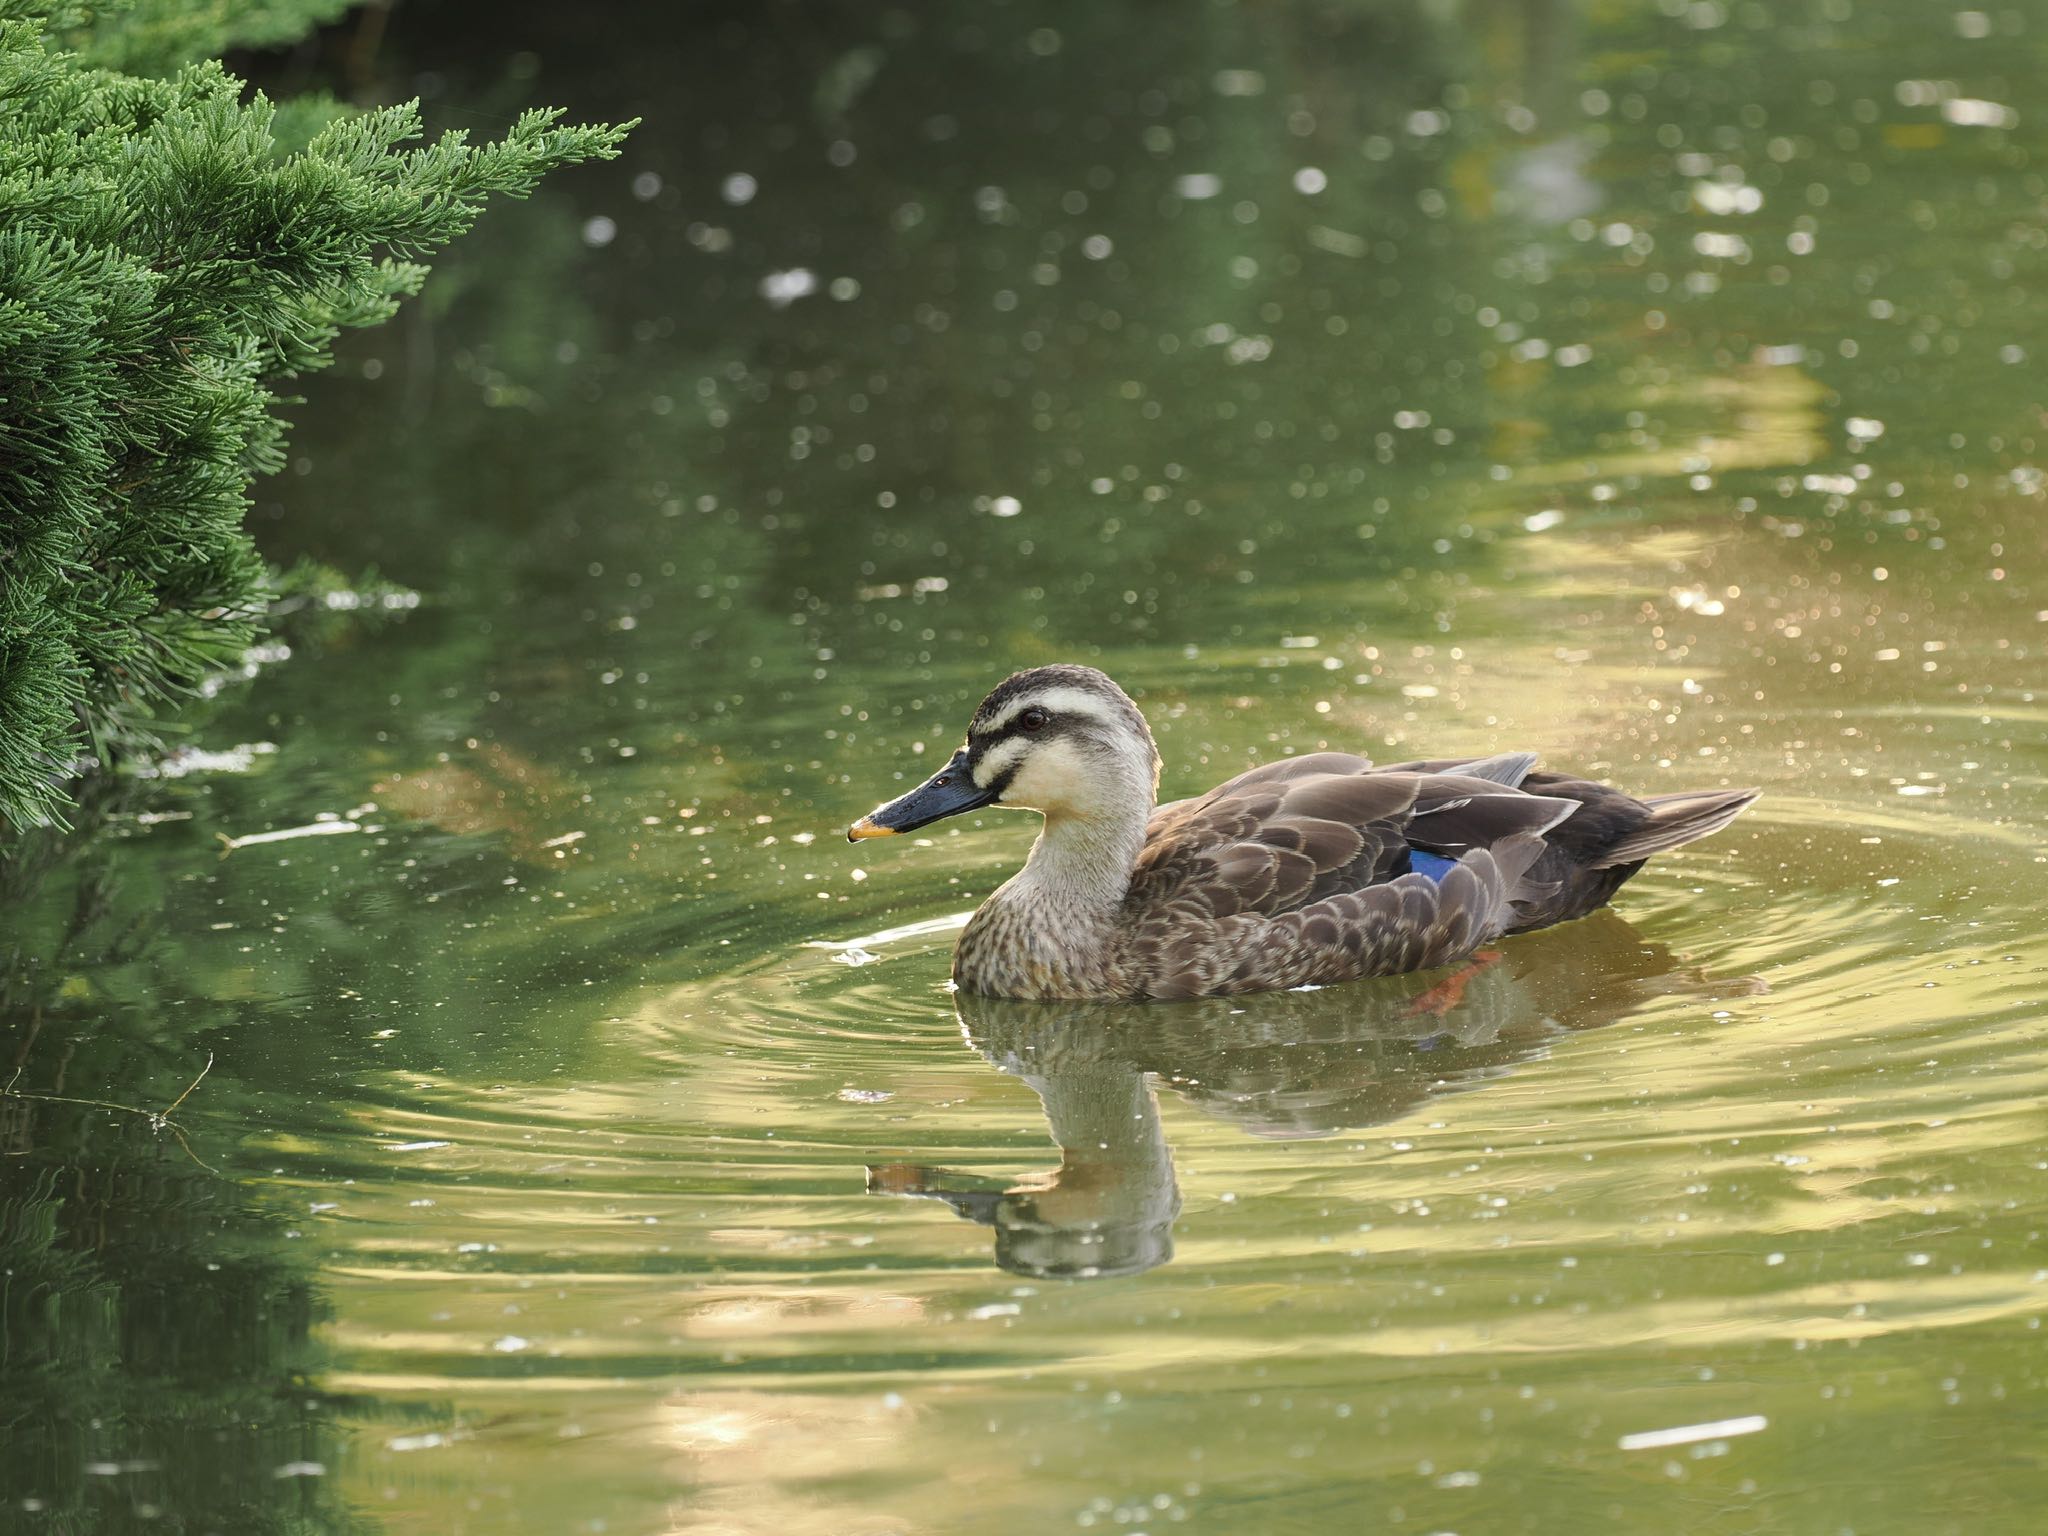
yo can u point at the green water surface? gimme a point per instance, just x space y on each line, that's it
591 1142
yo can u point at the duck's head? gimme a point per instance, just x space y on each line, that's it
1065 741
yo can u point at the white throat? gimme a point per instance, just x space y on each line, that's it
1084 863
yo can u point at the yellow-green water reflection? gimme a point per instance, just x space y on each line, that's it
1654 386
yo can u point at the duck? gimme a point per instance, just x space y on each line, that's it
1308 871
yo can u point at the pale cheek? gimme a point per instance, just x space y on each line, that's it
1054 779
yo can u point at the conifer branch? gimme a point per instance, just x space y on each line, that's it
165 264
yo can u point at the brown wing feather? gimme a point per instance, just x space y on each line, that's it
1453 813
1295 873
1406 924
1290 769
1268 842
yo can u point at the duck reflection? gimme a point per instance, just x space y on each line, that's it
1283 1065
1108 1208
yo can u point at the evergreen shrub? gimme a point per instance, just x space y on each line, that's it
173 249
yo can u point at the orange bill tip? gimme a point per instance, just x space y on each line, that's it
867 827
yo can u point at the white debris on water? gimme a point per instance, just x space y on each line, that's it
781 289
327 826
1338 242
390 599
1723 200
252 661
426 1442
1692 1434
1969 112
235 759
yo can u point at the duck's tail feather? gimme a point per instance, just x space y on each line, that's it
1676 820
1515 857
1508 768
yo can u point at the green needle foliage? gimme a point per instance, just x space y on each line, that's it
167 259
153 37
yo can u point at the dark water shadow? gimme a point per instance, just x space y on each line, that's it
159 1347
1282 1066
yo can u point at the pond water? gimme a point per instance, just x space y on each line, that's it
591 1142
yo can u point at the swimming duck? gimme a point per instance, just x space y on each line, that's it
1307 871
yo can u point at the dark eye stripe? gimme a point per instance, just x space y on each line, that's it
1073 726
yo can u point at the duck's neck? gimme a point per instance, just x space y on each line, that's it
1053 929
1081 865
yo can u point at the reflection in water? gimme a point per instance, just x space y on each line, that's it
1257 369
157 1317
1108 1208
1289 1065
155 1339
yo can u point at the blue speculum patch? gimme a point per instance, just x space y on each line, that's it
1434 865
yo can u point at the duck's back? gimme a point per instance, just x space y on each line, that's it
1321 868
1305 871
1592 853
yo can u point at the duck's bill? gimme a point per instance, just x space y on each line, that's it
948 792
971 1196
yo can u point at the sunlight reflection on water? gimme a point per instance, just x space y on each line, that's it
1644 386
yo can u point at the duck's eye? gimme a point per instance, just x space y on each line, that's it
1033 719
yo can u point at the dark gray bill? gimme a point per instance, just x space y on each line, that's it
946 793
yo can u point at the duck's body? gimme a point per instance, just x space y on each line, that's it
1311 870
